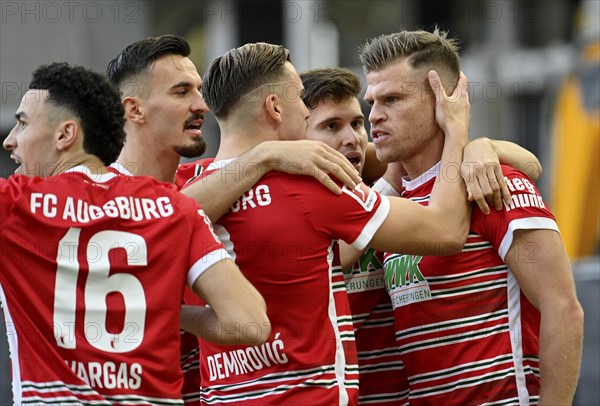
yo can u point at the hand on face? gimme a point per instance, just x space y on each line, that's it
452 113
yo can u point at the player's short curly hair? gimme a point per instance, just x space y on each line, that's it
92 100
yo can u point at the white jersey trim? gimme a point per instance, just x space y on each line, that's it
96 177
373 225
516 339
121 169
529 223
383 187
219 164
412 184
13 347
340 356
225 239
204 263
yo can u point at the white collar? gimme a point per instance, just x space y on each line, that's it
96 177
121 169
214 165
431 173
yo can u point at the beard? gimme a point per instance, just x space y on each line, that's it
192 151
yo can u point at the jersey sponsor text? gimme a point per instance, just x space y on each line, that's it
80 211
365 281
405 281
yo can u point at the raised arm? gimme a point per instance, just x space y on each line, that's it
440 228
218 191
483 175
514 155
539 262
237 311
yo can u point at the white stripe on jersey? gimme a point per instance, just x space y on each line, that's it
514 320
225 239
447 325
13 347
340 357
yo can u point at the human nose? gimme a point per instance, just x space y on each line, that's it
349 136
198 105
10 142
377 114
306 110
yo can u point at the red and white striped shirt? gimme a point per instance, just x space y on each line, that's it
467 334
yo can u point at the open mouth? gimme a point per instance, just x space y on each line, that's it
378 135
354 161
354 157
18 162
194 125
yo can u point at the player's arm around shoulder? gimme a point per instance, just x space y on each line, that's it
218 191
441 228
482 171
236 313
412 228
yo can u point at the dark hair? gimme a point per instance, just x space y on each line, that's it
92 99
137 57
235 74
336 84
422 48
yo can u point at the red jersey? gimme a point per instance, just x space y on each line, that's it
187 172
467 334
190 391
92 280
381 372
190 360
283 235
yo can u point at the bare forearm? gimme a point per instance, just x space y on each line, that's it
561 335
198 320
203 322
518 157
449 192
237 312
218 191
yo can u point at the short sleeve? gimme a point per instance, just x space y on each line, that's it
11 191
205 248
353 216
527 211
187 172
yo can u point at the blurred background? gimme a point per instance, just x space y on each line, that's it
533 67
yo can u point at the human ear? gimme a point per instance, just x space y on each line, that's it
66 134
134 110
273 107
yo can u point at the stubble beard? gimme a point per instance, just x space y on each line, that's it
192 151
